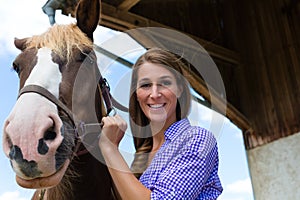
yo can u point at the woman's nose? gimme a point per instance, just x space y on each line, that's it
155 91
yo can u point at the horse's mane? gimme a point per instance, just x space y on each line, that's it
62 39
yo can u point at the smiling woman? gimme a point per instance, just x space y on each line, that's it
173 159
231 147
160 85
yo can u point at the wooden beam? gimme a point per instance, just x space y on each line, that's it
127 5
113 18
231 112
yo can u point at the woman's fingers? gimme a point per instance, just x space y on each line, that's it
113 129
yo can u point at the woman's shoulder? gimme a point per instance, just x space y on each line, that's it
199 138
199 132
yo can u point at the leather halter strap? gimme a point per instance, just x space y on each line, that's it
108 98
81 129
45 93
104 88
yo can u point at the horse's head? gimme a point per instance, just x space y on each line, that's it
39 136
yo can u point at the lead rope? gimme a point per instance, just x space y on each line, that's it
82 128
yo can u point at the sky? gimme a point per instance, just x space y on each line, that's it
21 18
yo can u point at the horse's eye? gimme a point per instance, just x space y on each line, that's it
83 54
81 57
16 68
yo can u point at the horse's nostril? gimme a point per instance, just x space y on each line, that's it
16 154
50 134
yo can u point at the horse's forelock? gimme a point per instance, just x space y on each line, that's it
61 39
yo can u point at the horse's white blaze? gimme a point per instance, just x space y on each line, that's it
39 114
34 107
46 73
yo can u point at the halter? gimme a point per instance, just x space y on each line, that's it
81 129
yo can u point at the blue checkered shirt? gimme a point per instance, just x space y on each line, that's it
185 166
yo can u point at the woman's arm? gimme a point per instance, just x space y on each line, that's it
126 183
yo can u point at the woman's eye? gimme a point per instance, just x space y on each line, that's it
145 85
166 83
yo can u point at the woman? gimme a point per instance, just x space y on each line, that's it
175 160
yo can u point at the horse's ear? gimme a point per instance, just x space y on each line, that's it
20 43
88 16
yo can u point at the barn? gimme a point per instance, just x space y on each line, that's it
255 45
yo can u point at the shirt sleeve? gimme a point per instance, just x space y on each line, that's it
192 173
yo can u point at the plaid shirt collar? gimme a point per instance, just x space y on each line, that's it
176 128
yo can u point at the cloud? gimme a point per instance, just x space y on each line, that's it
240 186
12 196
238 134
207 118
22 19
238 190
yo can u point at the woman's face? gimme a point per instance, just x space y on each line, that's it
157 93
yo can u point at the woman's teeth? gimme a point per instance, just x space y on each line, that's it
156 105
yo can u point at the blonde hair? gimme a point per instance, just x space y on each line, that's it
61 39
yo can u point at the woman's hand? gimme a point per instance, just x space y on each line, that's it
112 131
126 183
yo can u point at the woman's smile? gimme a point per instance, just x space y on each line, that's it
157 106
157 93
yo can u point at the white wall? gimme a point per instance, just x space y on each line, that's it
275 169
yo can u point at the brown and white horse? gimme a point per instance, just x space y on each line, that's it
39 135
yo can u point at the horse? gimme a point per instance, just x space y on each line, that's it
43 134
